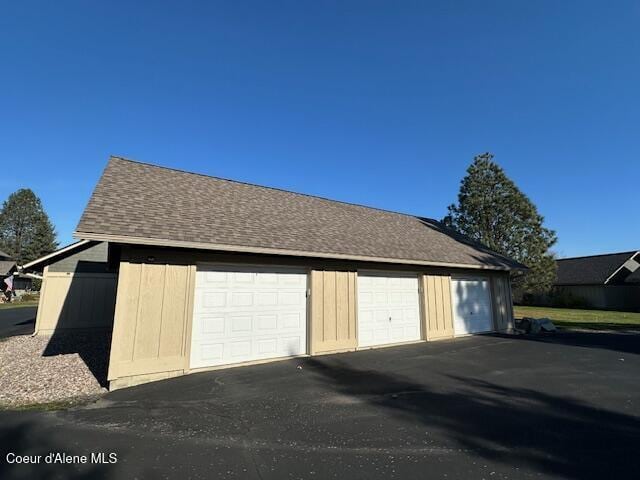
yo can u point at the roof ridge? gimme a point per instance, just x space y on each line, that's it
173 169
630 252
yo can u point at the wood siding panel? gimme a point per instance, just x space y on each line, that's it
330 307
353 302
75 301
173 313
342 306
150 308
152 321
502 303
333 311
317 308
127 302
438 316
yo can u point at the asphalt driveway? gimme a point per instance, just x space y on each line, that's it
565 406
17 321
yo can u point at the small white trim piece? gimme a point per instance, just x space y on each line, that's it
620 267
273 251
54 254
31 275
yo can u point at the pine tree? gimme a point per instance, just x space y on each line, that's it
492 210
26 233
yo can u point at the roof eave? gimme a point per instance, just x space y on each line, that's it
606 282
275 251
53 255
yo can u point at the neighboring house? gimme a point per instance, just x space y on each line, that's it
610 281
9 267
212 273
78 288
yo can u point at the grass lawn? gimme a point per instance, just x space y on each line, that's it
18 305
590 319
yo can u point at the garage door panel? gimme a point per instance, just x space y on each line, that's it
365 298
212 351
388 309
380 298
215 299
248 315
471 299
291 321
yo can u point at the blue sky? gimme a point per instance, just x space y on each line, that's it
378 103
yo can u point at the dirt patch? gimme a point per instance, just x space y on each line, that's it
60 369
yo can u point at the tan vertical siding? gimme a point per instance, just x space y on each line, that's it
152 319
75 301
502 303
333 311
436 298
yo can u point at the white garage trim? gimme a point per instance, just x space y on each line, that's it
471 302
388 309
248 314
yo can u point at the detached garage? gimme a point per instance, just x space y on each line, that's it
213 273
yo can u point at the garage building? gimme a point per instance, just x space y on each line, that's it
214 273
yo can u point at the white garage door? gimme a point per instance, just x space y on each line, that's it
388 309
243 314
471 305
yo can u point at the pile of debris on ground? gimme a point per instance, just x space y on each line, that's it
535 325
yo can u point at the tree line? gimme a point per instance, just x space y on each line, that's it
26 232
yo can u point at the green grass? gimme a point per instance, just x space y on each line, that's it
18 305
588 319
51 406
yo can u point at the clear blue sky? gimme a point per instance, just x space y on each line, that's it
379 103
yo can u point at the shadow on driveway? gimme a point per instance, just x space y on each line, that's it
470 408
619 342
556 435
17 321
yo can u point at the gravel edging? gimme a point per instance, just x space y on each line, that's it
52 371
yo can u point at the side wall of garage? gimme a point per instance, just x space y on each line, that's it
151 332
154 308
75 301
502 302
77 292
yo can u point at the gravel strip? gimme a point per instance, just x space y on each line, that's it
55 368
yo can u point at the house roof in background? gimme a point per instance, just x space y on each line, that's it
6 266
40 263
147 204
591 270
4 255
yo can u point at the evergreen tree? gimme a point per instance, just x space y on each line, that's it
26 233
492 210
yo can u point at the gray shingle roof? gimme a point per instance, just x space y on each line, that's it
4 255
6 266
177 208
592 270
